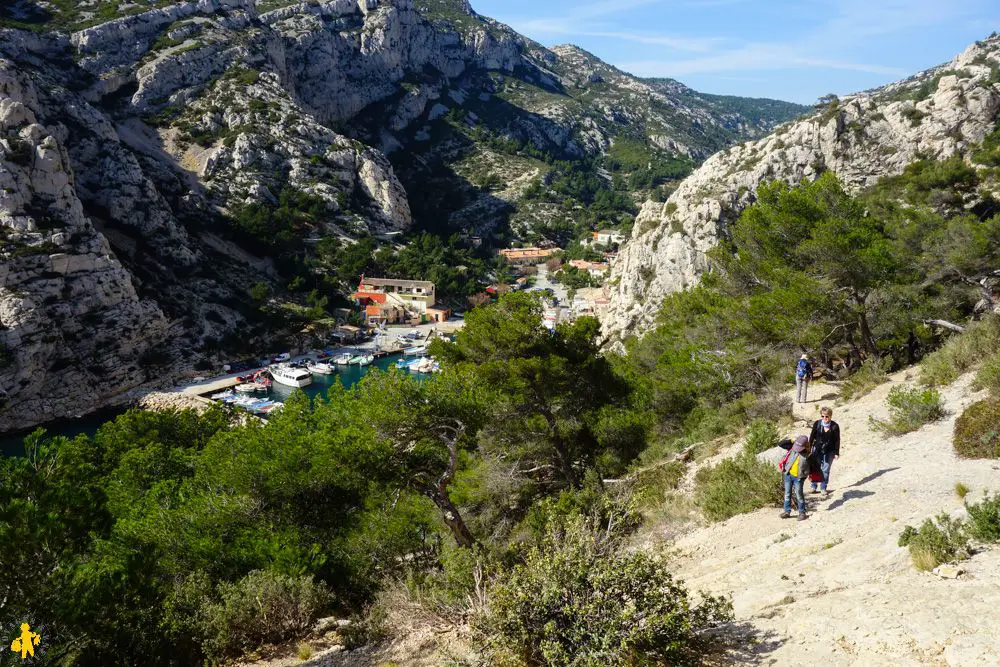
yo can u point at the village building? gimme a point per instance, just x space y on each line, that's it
595 269
397 301
605 237
519 256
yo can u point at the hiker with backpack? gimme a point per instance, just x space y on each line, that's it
803 373
825 442
794 471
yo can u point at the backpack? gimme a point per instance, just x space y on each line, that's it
798 468
803 369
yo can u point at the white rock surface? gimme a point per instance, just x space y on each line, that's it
72 326
866 137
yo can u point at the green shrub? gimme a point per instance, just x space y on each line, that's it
579 599
737 485
977 431
909 409
261 607
960 353
936 542
961 490
762 435
988 376
871 374
771 405
984 519
654 483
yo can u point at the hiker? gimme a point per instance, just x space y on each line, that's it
825 441
803 373
794 469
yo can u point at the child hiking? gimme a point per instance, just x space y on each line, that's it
825 441
794 470
803 373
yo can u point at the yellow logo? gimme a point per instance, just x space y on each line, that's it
26 643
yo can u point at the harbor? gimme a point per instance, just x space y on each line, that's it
264 389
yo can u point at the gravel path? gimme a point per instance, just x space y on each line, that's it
836 589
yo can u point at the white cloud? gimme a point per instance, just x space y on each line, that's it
838 31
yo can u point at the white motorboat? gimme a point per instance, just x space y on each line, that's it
321 368
251 387
291 376
422 365
364 360
343 359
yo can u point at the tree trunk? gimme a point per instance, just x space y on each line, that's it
946 324
867 339
452 517
559 444
855 352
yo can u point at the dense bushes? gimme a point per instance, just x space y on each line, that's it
961 353
977 431
909 409
737 485
261 607
935 542
579 599
762 435
947 539
984 519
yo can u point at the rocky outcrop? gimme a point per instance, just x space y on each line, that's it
137 153
72 327
862 138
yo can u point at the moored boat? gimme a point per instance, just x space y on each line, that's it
321 368
251 387
290 376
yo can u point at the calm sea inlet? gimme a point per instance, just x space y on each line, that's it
12 444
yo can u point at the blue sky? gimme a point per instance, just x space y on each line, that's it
794 50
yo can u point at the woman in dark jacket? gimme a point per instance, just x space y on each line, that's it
825 443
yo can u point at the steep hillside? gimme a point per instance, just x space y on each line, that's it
211 166
939 113
802 584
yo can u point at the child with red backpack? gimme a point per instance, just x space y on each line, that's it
794 470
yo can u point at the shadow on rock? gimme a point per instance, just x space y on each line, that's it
873 476
740 643
850 495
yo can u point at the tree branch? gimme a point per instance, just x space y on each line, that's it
945 324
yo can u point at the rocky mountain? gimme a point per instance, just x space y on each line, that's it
939 113
164 164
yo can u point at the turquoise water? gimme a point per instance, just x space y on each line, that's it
13 444
345 375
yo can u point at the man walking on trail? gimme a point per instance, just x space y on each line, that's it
803 373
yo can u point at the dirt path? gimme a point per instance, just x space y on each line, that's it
836 589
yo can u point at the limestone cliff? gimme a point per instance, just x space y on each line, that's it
73 326
937 114
144 147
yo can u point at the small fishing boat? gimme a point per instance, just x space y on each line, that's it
251 387
343 359
404 364
415 351
321 368
364 360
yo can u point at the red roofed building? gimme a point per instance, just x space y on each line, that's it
391 301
